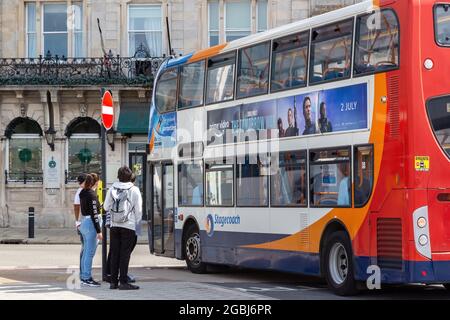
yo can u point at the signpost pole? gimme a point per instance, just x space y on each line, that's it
104 231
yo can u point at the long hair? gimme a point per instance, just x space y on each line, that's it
89 182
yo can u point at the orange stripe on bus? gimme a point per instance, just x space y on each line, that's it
352 218
202 54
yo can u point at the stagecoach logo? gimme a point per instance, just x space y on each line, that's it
209 225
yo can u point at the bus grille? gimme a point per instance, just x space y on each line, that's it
394 107
389 243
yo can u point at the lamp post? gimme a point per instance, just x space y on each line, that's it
50 137
110 135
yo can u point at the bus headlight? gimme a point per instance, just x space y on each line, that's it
421 222
423 240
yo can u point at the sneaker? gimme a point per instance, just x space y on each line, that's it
130 279
127 286
90 283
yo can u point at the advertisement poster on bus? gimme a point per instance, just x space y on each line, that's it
287 117
223 125
307 113
343 109
257 120
165 131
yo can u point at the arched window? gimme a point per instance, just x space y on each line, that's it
84 147
25 150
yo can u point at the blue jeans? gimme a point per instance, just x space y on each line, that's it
89 235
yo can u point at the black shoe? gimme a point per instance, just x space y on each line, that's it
107 278
127 286
113 286
90 283
130 279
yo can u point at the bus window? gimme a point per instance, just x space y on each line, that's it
442 22
253 70
166 91
331 52
190 184
288 183
219 184
439 115
330 180
220 78
289 61
252 182
363 173
192 78
376 48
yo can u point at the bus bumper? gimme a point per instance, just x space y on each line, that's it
427 272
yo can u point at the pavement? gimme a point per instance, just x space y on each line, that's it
51 236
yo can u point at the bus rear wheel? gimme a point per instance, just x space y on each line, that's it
338 265
192 250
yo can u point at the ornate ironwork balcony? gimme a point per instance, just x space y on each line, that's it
62 71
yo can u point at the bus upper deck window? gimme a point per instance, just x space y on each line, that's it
377 42
253 70
290 60
192 85
442 21
331 52
166 91
220 78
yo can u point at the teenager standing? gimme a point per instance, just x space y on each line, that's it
124 203
90 229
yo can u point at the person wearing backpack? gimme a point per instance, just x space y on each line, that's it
124 204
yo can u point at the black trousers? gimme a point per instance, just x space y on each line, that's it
122 244
108 261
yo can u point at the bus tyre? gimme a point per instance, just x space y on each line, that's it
338 265
192 250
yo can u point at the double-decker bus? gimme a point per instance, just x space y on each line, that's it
320 147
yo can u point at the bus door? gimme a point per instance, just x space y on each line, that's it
162 223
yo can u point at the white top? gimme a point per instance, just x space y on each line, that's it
76 201
136 202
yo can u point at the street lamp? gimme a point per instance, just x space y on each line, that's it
50 137
110 135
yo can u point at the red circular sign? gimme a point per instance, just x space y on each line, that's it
107 110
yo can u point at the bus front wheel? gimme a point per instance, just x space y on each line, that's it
192 250
339 264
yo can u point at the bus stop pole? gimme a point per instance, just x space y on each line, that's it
104 230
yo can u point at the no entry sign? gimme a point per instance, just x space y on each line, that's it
107 110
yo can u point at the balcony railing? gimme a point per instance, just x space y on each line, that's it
62 71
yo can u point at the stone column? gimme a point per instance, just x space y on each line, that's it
54 212
4 220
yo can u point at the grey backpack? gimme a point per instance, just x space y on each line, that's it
121 207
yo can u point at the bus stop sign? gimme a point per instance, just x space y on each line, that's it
107 110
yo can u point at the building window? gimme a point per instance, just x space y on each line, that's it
55 33
145 29
25 150
261 15
84 147
213 26
237 19
59 22
31 29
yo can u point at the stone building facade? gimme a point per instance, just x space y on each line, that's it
50 104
